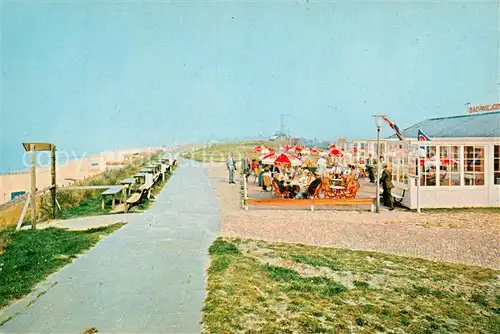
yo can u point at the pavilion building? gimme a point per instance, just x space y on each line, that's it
460 165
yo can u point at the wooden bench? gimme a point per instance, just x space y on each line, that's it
310 202
112 192
128 183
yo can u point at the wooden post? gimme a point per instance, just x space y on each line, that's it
53 172
33 186
23 213
124 195
102 202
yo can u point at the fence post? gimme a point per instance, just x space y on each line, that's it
23 213
33 186
53 172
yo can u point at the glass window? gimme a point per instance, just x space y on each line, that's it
496 164
449 166
473 165
428 167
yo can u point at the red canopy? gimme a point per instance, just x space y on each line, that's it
281 160
262 149
296 149
335 153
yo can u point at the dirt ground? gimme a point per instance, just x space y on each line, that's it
471 237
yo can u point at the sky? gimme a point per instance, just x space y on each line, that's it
99 75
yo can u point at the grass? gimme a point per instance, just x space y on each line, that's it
220 151
27 257
255 286
83 203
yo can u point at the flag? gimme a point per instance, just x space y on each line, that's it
393 125
422 136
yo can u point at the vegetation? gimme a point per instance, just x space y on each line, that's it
80 203
254 286
27 257
220 151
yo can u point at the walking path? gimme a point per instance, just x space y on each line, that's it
147 277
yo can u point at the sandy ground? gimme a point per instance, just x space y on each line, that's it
466 237
66 173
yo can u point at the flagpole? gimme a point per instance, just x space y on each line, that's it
418 179
418 175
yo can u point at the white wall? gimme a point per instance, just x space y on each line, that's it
457 196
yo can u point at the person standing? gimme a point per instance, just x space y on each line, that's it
231 167
387 185
321 166
369 168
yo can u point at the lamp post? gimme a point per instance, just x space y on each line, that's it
378 122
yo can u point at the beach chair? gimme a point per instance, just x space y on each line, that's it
317 192
352 191
278 192
327 190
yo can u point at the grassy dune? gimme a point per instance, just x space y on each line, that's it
254 286
220 151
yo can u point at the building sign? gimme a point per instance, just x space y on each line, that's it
486 107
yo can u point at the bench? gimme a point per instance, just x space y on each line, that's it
310 202
112 192
398 193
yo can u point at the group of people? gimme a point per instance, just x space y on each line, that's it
299 182
306 181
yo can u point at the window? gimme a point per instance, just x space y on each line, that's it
474 165
449 166
496 164
428 167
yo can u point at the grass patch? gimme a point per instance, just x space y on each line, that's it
220 151
255 286
82 203
30 256
87 207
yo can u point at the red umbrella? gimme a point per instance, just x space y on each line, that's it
271 155
335 153
295 149
282 160
331 147
286 147
262 149
309 150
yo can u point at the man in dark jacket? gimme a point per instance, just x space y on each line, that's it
387 185
369 168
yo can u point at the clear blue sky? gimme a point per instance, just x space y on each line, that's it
91 76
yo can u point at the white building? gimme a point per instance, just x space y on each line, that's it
461 167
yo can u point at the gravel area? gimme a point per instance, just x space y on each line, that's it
467 237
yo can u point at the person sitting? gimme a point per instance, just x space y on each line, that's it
311 189
337 171
280 182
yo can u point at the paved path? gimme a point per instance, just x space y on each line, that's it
147 277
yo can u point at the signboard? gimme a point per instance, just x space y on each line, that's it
484 108
16 194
